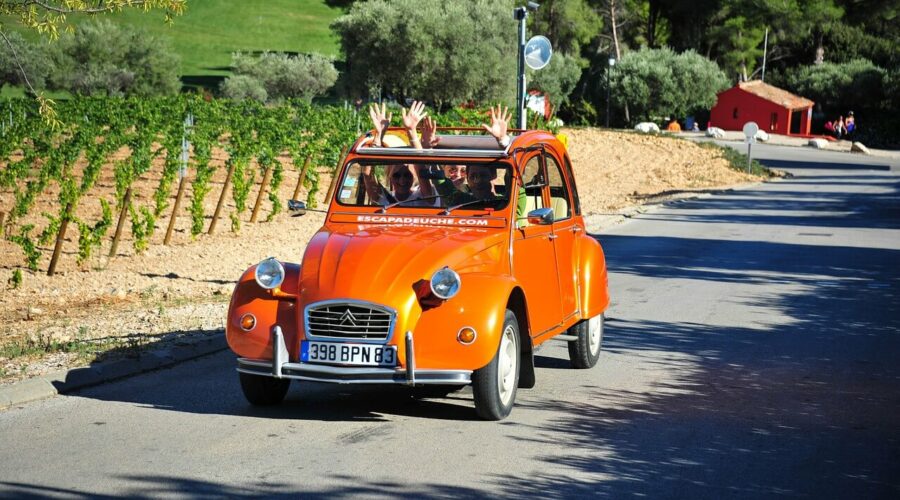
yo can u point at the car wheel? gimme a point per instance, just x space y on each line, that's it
264 391
585 350
494 386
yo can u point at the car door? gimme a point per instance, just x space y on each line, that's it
533 259
564 235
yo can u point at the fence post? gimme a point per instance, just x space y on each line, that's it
215 219
115 242
267 175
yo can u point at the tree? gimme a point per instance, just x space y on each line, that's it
35 63
568 24
102 59
445 52
658 82
557 79
50 16
279 76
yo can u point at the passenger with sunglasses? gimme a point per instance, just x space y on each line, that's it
404 183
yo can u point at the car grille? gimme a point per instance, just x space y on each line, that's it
349 321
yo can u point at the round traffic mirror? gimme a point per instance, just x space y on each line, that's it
750 130
537 52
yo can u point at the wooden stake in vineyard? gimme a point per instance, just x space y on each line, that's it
334 173
267 175
126 201
60 236
301 178
182 174
215 219
181 185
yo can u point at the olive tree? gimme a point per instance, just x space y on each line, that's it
280 76
101 58
658 82
557 79
445 52
23 63
49 17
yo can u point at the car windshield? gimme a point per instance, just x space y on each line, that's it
469 186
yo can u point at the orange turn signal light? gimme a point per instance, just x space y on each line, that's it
248 321
466 335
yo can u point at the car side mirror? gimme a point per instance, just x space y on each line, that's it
297 207
541 216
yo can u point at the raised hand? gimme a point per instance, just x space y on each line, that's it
380 121
429 133
411 120
414 115
499 123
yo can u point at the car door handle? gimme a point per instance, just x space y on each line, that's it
552 236
576 229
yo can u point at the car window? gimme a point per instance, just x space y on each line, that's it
575 199
426 185
559 194
533 184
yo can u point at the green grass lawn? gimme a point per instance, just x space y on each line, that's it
210 30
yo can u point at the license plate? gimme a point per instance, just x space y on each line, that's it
348 354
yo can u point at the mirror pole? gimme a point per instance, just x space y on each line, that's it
521 13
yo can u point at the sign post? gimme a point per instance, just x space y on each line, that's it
750 130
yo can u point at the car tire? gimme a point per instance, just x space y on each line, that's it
494 386
585 350
262 390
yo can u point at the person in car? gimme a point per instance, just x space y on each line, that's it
404 181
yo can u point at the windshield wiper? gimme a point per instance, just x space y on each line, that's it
386 206
467 203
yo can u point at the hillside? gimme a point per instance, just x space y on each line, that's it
210 30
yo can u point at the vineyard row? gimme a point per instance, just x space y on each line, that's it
126 136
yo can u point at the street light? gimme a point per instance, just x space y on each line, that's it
612 62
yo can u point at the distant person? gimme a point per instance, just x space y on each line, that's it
839 128
850 125
673 126
695 128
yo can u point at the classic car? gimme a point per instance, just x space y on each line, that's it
456 287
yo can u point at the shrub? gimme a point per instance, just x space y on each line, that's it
239 87
282 76
101 58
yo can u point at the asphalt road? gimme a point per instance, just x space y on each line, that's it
751 351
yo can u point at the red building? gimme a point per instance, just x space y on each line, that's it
773 109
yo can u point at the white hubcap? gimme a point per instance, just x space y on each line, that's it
506 365
595 333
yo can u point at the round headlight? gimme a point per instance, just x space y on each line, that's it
445 283
269 273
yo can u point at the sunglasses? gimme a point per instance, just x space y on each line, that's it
397 175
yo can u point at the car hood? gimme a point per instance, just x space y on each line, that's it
380 263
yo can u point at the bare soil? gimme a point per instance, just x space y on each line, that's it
180 291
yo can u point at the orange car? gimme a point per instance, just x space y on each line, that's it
450 283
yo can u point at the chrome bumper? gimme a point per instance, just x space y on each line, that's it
281 367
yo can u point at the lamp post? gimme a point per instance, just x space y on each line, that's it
612 62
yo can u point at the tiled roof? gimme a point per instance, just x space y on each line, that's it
775 94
